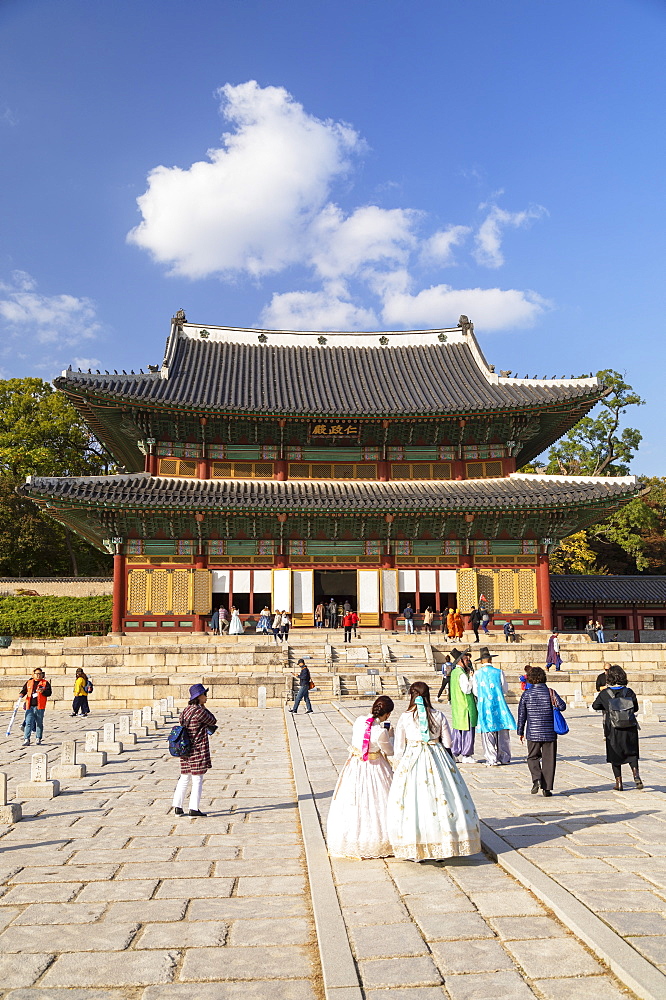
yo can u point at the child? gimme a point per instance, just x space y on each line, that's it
199 722
356 826
430 812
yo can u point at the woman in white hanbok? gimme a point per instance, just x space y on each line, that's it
236 626
356 826
430 813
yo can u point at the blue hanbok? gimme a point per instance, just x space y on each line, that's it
495 717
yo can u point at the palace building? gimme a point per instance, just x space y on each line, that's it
279 468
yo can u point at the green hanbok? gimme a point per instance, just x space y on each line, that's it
464 715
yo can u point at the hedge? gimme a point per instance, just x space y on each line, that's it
42 617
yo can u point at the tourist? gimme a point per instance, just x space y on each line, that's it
475 621
494 715
348 624
458 625
430 813
285 625
265 621
356 824
236 626
450 624
599 629
80 694
215 622
319 615
553 658
355 623
509 631
35 691
602 678
428 616
485 622
447 667
463 709
332 613
525 679
276 627
619 705
200 723
223 620
346 608
591 630
535 720
304 682
408 615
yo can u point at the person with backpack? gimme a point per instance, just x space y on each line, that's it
35 691
408 615
82 688
193 749
619 705
536 721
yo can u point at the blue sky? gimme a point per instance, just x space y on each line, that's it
349 165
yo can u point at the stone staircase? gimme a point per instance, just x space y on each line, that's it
129 671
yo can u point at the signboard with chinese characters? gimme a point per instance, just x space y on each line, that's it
334 429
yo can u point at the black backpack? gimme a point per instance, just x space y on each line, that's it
621 711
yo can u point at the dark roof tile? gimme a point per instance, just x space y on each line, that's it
590 590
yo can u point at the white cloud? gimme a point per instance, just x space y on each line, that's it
251 207
36 328
438 248
263 202
441 305
322 310
489 236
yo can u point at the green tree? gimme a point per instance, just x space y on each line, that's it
41 434
596 446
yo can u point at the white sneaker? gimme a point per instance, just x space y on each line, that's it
26 743
467 760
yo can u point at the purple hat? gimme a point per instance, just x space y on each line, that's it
196 690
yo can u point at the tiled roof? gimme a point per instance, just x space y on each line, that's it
311 380
140 490
608 589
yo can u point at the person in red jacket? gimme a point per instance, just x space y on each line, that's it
35 691
348 622
355 621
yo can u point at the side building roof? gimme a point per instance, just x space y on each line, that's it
605 590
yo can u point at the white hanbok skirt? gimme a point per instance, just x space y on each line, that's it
430 812
356 826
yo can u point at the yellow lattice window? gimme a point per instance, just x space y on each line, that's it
467 596
484 470
180 592
241 470
507 598
159 592
527 595
203 587
177 467
420 470
336 470
485 583
137 592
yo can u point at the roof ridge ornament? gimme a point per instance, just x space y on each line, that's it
465 325
179 320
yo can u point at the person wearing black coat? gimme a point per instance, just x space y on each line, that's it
621 743
535 719
303 688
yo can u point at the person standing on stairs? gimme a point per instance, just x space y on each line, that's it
348 623
304 681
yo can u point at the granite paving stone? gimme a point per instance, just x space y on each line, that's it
395 941
15 973
653 948
148 910
490 986
553 958
399 972
64 938
233 908
194 888
527 928
113 891
271 885
130 968
582 988
184 934
262 931
473 956
206 964
294 989
35 893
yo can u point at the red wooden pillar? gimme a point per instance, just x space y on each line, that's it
543 592
118 593
388 562
466 561
383 472
635 624
153 465
282 561
200 562
203 468
458 469
281 470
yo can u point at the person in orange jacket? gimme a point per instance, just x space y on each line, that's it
458 625
35 691
450 624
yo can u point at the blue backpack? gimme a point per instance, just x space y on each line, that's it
180 744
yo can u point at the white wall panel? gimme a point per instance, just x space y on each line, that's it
407 581
262 581
282 589
241 581
427 581
448 583
368 591
389 590
303 590
220 581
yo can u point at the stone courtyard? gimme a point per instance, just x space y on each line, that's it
106 895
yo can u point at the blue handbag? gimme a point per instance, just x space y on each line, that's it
559 723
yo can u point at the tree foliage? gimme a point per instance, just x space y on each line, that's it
54 616
41 434
596 446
